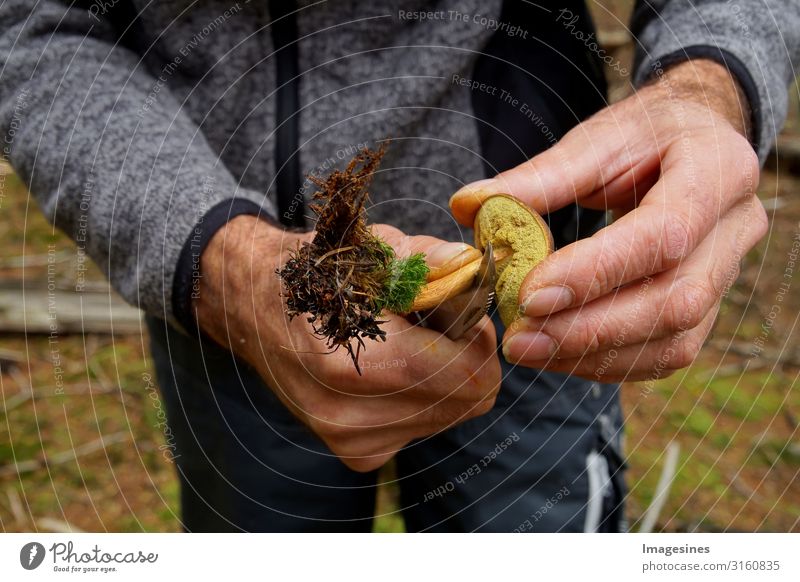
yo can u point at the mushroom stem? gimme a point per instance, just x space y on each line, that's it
453 282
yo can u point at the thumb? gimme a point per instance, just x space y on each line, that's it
442 257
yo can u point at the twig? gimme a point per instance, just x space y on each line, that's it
15 505
25 393
744 349
774 203
333 252
98 372
662 488
731 370
73 390
65 456
743 489
57 525
35 260
791 419
10 359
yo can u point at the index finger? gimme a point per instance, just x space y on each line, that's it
673 218
572 168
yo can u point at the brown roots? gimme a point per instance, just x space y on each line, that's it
346 276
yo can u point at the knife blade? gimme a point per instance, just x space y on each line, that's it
456 315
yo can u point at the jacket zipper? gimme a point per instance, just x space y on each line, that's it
291 206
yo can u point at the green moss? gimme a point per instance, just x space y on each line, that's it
700 422
404 282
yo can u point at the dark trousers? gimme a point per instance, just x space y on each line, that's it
546 458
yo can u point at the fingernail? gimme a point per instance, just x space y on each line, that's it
547 300
443 253
529 345
489 184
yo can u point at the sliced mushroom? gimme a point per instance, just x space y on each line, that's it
520 239
520 233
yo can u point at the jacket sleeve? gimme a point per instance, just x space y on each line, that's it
125 173
758 40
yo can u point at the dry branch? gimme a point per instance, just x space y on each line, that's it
35 310
64 456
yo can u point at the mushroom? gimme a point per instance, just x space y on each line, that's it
520 239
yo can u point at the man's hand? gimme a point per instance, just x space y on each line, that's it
415 384
637 300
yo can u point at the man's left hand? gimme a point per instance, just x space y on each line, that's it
637 300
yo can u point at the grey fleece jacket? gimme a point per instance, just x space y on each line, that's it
129 139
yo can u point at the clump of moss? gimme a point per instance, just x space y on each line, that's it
346 276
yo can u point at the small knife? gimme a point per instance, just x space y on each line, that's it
456 315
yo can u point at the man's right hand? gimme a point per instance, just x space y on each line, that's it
415 384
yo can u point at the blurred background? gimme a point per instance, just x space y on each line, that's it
82 440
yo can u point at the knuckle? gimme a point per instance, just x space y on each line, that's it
744 157
676 238
728 277
594 332
759 219
689 302
480 383
605 277
491 377
685 352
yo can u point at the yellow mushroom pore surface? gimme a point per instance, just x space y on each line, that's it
508 225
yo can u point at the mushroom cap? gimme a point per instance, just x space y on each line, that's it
520 233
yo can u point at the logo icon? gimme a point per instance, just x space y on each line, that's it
31 555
